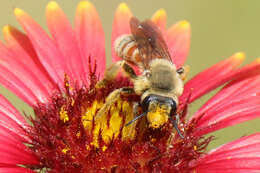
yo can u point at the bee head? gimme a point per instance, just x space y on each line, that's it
159 109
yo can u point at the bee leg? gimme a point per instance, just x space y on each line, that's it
171 137
177 118
110 74
129 71
175 125
136 106
111 99
183 72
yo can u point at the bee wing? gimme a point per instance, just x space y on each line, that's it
149 41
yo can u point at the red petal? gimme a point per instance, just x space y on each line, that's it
160 18
242 155
178 41
65 39
14 84
20 45
120 26
90 36
10 115
12 137
211 78
237 102
12 64
14 169
15 154
48 53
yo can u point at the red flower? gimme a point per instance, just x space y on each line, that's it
56 76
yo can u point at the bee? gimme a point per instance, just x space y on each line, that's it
159 84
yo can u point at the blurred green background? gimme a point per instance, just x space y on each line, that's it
219 29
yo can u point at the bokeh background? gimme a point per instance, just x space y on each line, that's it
219 29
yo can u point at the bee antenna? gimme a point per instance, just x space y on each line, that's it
176 126
136 118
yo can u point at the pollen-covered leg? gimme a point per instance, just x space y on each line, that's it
111 99
183 72
132 125
112 71
110 74
135 110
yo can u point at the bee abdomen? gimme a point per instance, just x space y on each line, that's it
126 48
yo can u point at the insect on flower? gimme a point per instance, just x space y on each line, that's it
76 127
160 83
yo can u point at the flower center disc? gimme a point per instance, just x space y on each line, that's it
68 137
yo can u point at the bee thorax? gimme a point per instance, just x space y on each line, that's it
164 77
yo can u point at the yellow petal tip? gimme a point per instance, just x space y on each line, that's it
18 12
257 60
184 24
240 56
6 29
159 13
52 5
123 7
85 5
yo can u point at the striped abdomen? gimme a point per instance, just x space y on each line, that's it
126 48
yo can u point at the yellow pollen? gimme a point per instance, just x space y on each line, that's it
115 122
153 140
104 148
108 132
88 147
128 131
158 117
65 150
72 102
195 147
78 135
67 84
64 114
110 125
87 118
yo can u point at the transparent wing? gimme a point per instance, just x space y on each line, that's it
149 41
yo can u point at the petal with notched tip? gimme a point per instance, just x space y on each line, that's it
48 53
90 37
160 18
237 102
178 41
65 39
211 78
